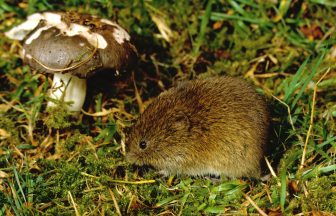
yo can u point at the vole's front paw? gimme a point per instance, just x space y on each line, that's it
164 173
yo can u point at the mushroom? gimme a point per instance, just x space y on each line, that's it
73 47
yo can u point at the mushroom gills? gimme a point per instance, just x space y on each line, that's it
68 88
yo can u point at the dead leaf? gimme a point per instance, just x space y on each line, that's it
3 174
4 134
164 29
4 107
312 32
217 25
293 187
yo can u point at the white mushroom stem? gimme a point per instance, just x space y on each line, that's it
68 88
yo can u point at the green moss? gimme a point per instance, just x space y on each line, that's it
59 178
8 125
97 166
3 199
58 117
71 143
321 194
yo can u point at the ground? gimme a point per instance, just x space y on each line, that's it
52 163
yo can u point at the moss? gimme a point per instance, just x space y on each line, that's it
71 143
97 166
3 199
321 194
60 210
231 68
58 117
61 178
8 125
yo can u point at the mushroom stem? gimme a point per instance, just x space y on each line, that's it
68 88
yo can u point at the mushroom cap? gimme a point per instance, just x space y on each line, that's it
77 44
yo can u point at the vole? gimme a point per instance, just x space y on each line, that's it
214 126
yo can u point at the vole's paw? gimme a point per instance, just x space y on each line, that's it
164 173
266 177
214 178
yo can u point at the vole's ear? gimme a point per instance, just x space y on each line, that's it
180 121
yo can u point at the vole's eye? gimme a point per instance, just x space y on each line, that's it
143 144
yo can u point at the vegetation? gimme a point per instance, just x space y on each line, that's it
54 164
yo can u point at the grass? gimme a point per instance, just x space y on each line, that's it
54 164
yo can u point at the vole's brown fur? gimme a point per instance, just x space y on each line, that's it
211 126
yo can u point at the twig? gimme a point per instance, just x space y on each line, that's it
74 204
106 112
270 168
10 104
268 75
261 212
130 204
88 175
311 119
138 98
121 181
99 114
132 182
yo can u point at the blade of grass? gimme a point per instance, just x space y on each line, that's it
111 130
329 3
215 209
308 79
19 184
29 182
73 203
283 8
115 202
218 16
183 200
293 85
261 212
201 207
283 188
312 173
311 118
331 139
171 199
17 204
238 8
249 3
204 24
98 107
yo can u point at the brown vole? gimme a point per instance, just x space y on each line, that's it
215 126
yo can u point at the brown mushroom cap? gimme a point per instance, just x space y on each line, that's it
99 44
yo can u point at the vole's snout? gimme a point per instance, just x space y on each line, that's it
136 159
129 158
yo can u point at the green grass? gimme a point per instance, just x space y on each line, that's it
54 164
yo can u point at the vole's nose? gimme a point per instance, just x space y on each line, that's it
130 158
